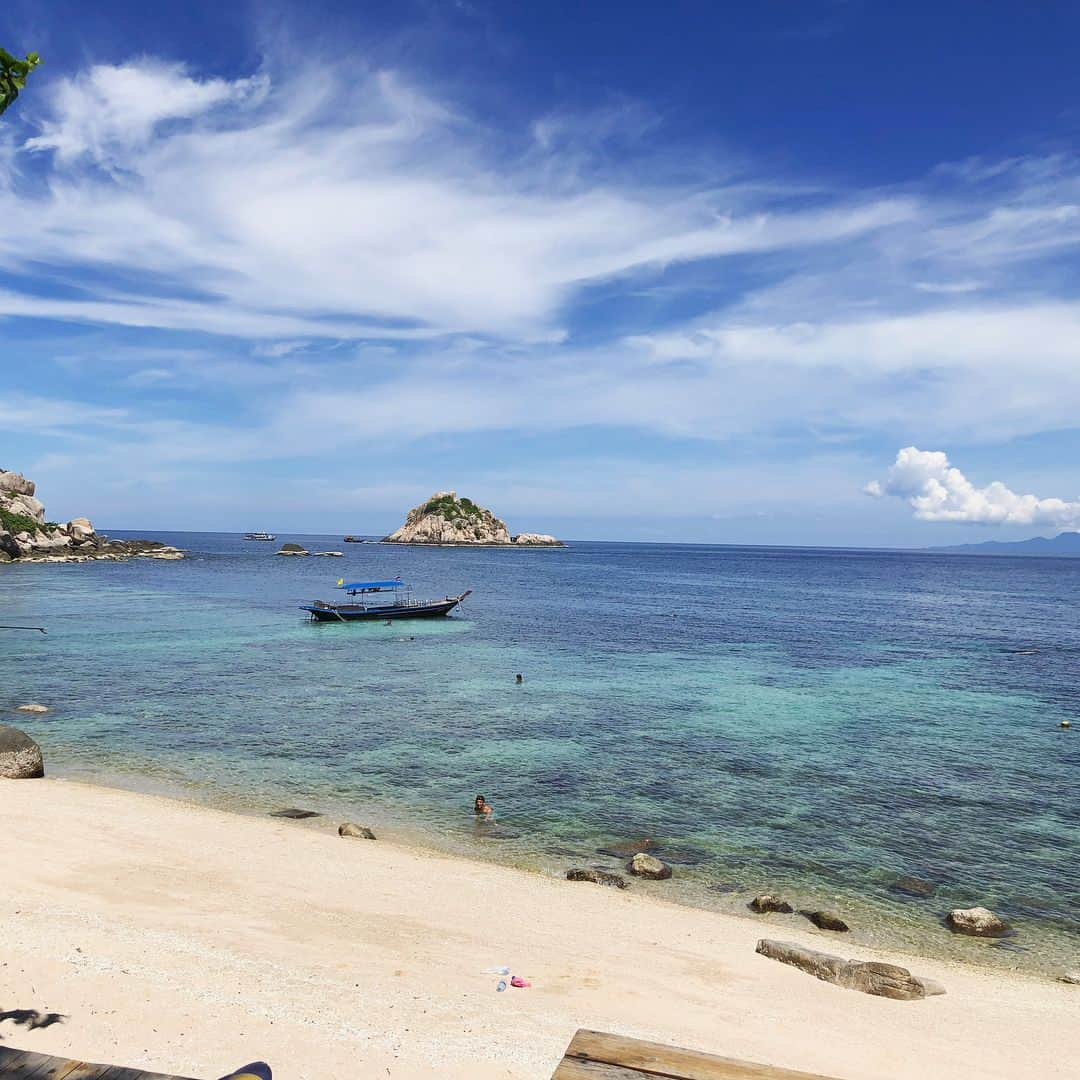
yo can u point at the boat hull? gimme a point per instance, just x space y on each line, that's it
358 613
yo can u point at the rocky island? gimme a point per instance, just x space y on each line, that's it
445 519
26 536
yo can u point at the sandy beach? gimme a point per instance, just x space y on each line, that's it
184 939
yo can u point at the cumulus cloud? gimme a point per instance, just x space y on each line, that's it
938 491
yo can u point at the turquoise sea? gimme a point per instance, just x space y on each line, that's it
814 722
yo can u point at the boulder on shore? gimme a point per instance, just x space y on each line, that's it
20 756
826 920
597 877
446 519
766 902
26 535
869 977
361 832
977 922
648 866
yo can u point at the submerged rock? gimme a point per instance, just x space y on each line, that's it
912 886
597 877
20 756
296 814
33 707
766 902
977 922
868 977
646 866
826 920
625 849
361 832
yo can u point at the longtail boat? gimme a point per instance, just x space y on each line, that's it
372 602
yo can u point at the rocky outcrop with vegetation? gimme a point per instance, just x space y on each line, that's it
446 519
27 536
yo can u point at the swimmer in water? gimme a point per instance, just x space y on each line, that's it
483 810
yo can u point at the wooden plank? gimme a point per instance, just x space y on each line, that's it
577 1069
76 1070
655 1059
24 1065
16 1063
87 1071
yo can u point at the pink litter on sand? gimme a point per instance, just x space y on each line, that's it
519 982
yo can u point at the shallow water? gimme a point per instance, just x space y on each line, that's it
808 721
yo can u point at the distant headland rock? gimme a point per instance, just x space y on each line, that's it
26 536
446 519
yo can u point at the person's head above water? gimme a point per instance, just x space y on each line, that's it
480 803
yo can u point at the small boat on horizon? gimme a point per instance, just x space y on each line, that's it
370 603
260 536
355 540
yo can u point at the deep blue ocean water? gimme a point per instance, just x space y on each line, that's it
810 721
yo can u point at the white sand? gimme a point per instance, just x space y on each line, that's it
184 939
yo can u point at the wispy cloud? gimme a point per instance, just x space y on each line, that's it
326 204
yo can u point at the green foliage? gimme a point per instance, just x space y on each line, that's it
452 509
17 523
13 73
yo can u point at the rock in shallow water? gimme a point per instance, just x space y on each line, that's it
361 832
977 922
826 920
294 812
767 902
20 756
597 877
912 886
624 849
646 866
33 707
868 977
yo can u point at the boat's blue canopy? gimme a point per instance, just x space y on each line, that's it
365 585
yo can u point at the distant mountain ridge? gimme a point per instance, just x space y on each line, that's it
1066 543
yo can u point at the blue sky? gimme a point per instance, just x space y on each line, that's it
767 273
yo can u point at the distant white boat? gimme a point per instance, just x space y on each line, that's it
260 536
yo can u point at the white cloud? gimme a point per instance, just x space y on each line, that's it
340 203
109 110
948 288
937 491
